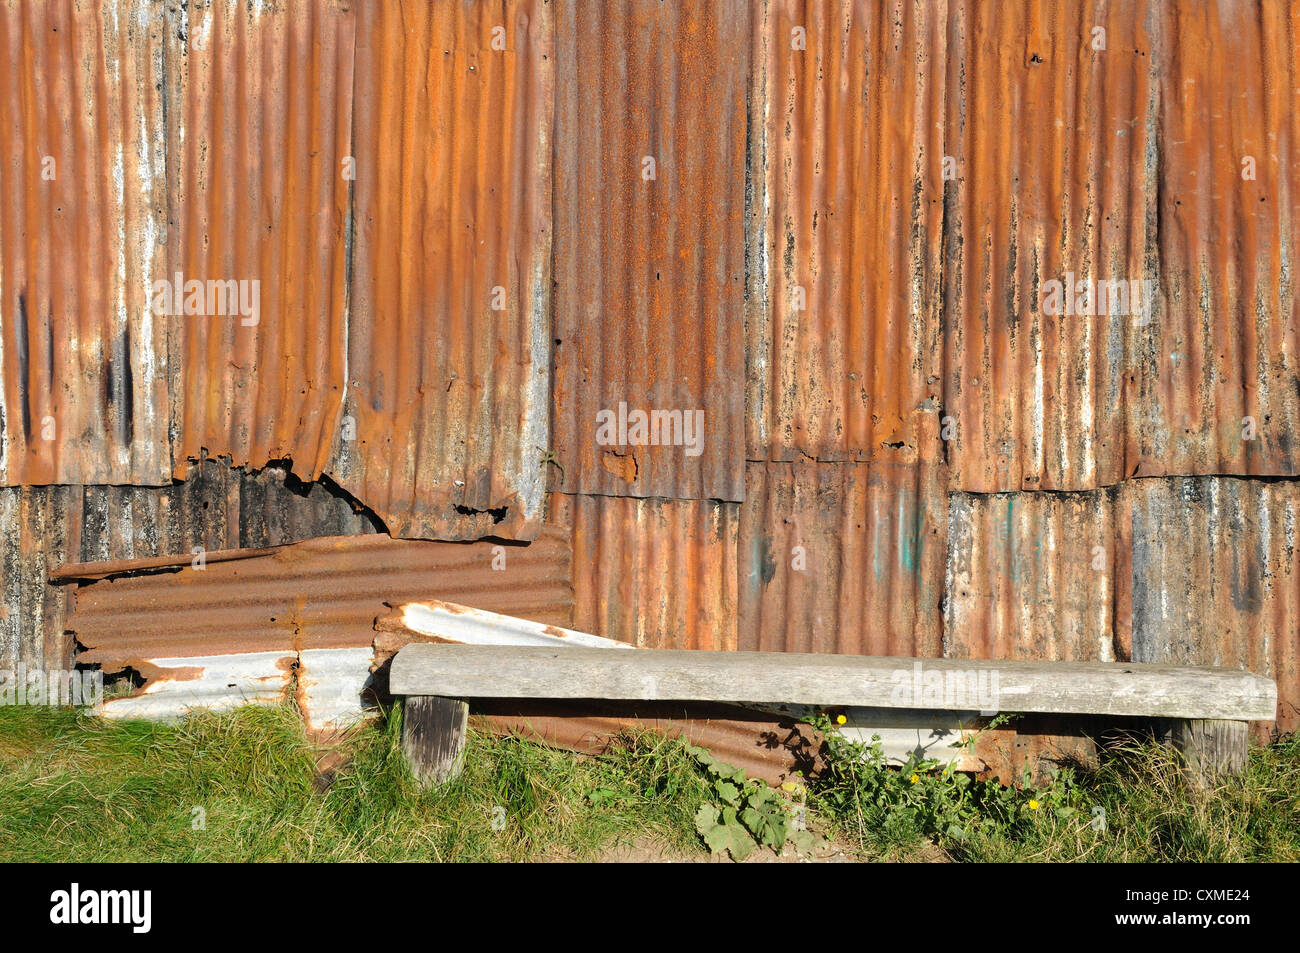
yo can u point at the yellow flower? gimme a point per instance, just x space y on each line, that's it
789 786
840 719
1033 805
915 778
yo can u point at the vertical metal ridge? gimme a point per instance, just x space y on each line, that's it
843 558
79 352
844 356
649 293
261 197
447 392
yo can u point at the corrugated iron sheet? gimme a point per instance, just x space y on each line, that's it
1216 578
843 558
82 225
449 344
259 100
317 594
654 573
650 273
1228 341
1033 576
216 508
1192 570
1118 164
843 343
1055 146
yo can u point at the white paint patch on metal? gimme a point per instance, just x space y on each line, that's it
331 683
454 623
215 682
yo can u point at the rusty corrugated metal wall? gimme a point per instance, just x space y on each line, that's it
82 224
259 121
839 252
449 351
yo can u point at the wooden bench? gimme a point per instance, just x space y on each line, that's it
1207 710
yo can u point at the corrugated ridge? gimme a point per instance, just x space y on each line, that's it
649 306
654 573
1229 335
843 355
452 202
843 558
1055 148
259 118
1034 576
81 170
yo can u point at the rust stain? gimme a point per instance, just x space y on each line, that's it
843 558
653 573
259 128
1125 164
843 351
448 346
649 271
83 392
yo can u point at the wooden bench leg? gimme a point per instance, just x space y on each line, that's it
433 736
1211 746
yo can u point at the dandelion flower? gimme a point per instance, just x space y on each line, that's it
915 778
1033 805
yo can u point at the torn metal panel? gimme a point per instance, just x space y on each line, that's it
843 558
1034 576
83 395
651 192
215 682
318 594
449 340
215 508
259 118
843 345
653 573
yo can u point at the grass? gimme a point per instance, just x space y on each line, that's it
1135 806
81 789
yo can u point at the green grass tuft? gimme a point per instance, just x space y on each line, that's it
76 788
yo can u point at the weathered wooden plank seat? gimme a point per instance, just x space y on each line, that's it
1209 708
